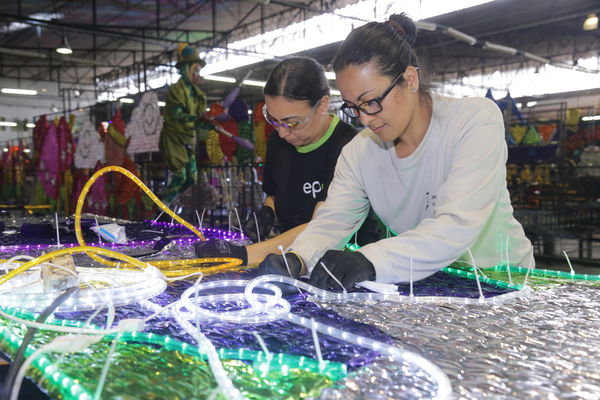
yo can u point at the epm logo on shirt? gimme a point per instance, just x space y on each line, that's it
312 187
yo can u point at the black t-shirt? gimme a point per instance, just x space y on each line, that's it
299 180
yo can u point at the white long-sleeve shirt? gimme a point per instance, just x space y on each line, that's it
445 198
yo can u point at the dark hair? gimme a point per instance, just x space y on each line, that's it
298 78
389 44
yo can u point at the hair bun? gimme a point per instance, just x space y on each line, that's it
404 26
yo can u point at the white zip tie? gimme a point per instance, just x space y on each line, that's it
569 262
159 215
199 222
334 278
57 232
256 223
508 262
280 248
239 220
102 380
481 296
313 328
229 222
263 346
410 265
531 264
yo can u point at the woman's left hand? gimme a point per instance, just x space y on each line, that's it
348 268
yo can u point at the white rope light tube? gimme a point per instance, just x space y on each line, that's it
124 287
270 307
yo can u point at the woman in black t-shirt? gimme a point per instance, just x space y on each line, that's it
300 160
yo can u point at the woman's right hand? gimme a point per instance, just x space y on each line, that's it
214 248
265 217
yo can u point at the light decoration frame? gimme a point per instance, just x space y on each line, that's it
264 308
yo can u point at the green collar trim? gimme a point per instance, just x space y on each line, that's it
313 146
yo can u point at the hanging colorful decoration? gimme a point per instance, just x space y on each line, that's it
531 136
48 168
116 154
89 149
242 154
66 156
261 127
213 148
546 131
145 125
518 132
97 200
228 145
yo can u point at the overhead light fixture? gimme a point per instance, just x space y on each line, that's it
531 103
25 92
591 22
219 78
499 48
126 100
428 26
64 48
334 92
161 103
30 125
330 75
249 82
534 57
7 123
460 36
591 118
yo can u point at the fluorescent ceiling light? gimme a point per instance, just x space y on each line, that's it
499 48
126 100
30 125
324 29
536 58
460 36
591 118
26 92
334 92
330 75
17 26
531 103
6 123
250 82
590 23
219 78
161 104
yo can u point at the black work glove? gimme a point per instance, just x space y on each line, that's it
274 264
265 217
348 268
221 248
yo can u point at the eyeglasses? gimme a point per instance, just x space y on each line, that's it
373 106
292 125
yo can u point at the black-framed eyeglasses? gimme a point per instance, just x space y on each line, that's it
373 106
291 125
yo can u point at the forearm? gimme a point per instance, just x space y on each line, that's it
258 251
270 202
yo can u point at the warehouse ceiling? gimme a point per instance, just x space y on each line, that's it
117 38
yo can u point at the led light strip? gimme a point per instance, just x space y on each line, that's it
265 308
137 181
146 284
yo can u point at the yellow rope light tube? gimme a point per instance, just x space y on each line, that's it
167 266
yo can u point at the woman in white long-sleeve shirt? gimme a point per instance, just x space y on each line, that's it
432 168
